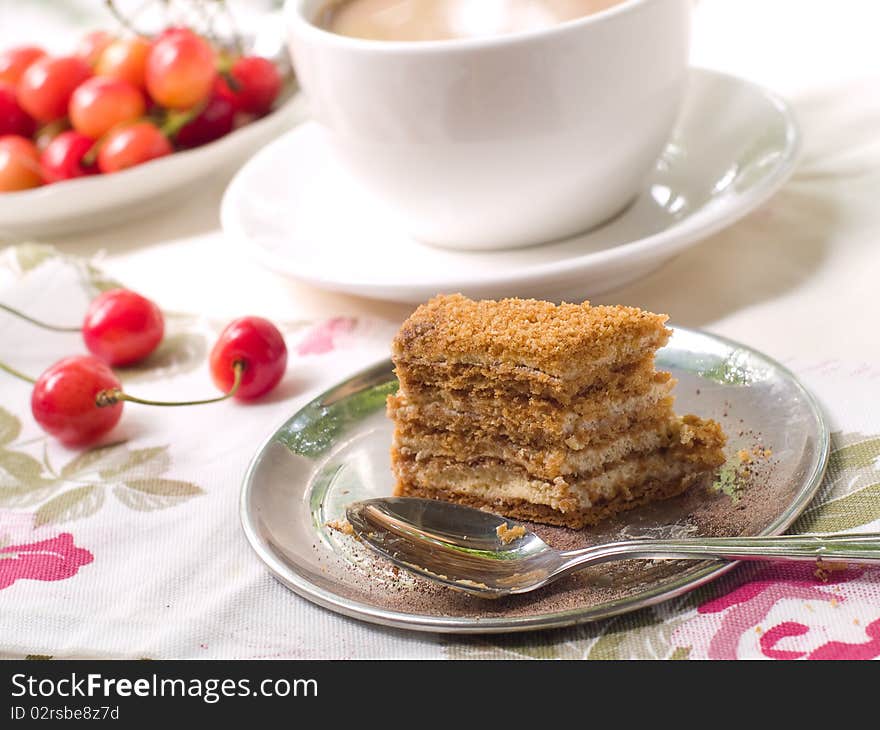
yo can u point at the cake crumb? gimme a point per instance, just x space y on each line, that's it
508 534
824 569
744 456
343 526
834 603
469 583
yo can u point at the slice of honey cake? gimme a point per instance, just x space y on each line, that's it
541 412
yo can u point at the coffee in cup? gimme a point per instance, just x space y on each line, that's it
432 20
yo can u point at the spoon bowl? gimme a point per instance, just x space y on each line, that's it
459 546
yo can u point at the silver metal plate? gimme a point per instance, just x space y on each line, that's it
335 450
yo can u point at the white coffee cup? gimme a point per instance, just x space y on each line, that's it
504 141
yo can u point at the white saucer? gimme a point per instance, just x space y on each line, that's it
300 214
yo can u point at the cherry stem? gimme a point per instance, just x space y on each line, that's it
231 81
17 373
236 32
121 18
91 155
177 120
44 325
112 396
53 129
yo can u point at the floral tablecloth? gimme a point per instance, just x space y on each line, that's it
133 549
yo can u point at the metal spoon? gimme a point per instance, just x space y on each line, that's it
463 547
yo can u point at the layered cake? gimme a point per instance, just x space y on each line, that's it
541 412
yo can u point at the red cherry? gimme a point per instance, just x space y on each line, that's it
258 83
63 157
122 327
63 400
100 104
125 59
92 45
19 164
214 121
258 344
172 30
14 119
132 145
47 85
14 62
180 70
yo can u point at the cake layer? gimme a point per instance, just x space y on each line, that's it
485 383
549 462
577 519
496 480
560 348
532 420
698 449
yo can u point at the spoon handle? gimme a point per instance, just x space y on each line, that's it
842 548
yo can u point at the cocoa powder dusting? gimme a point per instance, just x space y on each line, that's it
703 510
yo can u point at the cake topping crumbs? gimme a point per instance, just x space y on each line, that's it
508 534
535 333
824 569
744 456
343 526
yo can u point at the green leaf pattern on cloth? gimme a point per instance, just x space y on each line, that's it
146 495
180 352
650 640
850 495
10 427
29 256
77 489
151 461
74 504
92 460
20 467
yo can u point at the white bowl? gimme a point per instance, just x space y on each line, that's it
94 202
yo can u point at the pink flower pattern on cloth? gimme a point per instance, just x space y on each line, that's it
786 612
322 338
49 559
